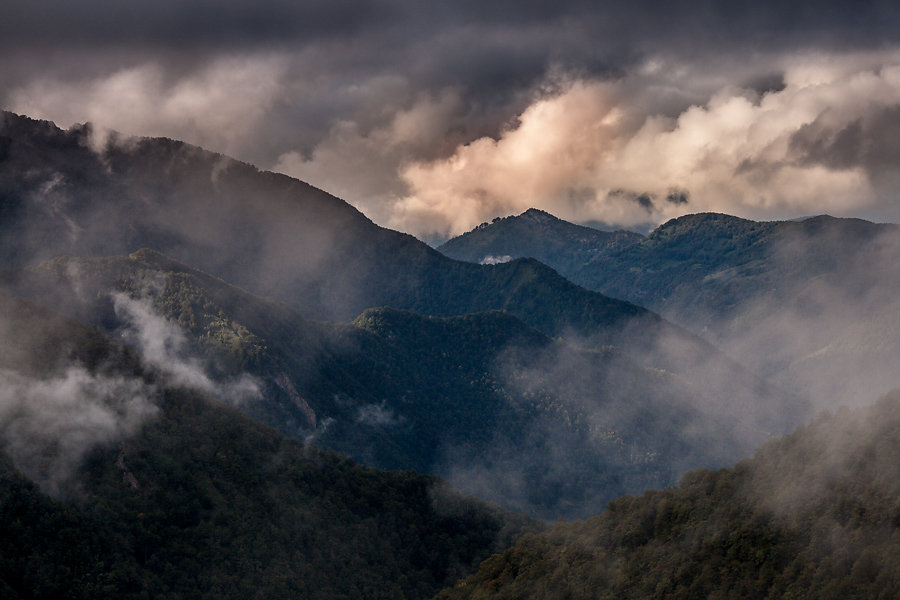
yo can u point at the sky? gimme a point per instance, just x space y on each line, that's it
432 117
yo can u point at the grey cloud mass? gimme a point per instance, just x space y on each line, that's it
394 104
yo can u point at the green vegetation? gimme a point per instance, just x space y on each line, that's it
225 508
813 515
482 399
203 502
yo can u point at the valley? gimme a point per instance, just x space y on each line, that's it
267 388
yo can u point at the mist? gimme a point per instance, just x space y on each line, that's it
602 423
163 345
48 426
66 390
818 321
279 237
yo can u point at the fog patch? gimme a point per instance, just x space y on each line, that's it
164 345
820 321
378 415
216 106
49 425
831 469
590 424
495 260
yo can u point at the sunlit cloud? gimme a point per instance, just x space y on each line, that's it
778 135
360 166
218 106
808 148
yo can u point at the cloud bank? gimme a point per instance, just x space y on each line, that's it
434 119
820 144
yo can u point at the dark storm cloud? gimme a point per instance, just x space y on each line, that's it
520 36
361 98
872 143
174 23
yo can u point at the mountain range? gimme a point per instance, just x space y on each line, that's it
199 357
452 387
809 304
493 405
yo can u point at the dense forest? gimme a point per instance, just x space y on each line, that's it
813 515
536 424
197 358
195 500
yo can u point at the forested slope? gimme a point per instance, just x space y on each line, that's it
139 488
813 515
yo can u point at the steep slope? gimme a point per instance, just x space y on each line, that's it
810 303
813 515
189 499
536 234
270 234
266 232
482 399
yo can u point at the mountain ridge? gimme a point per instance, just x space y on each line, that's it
534 234
196 500
811 515
447 395
800 302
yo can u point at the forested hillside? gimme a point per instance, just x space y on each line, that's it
493 405
809 304
813 515
138 487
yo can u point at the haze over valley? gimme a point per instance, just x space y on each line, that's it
377 300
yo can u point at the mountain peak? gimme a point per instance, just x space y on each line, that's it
539 215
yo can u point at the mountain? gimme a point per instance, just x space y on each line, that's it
279 238
264 232
809 303
116 481
484 400
712 262
813 515
270 234
539 235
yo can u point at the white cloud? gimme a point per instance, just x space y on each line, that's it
218 106
360 166
164 345
48 425
584 154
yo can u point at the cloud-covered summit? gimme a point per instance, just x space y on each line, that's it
434 117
